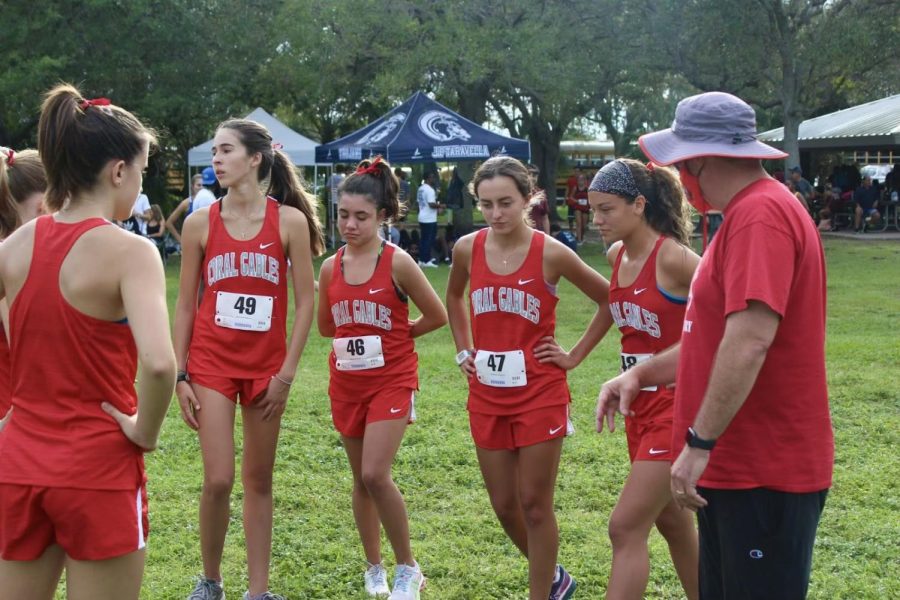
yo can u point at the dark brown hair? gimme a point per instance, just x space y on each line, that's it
285 184
505 166
382 188
18 180
666 210
77 141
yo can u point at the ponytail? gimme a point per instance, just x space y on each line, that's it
375 180
666 210
78 137
285 185
21 175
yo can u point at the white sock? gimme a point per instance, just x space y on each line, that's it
557 575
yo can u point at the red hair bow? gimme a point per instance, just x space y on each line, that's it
10 158
649 165
85 104
372 169
277 146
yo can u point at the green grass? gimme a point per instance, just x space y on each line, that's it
456 538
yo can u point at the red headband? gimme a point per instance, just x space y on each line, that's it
85 104
372 169
10 158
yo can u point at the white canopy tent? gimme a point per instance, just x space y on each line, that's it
301 149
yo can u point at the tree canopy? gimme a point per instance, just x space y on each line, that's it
543 69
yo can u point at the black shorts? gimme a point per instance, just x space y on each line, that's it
757 544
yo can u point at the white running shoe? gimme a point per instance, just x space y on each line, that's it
431 264
376 580
407 582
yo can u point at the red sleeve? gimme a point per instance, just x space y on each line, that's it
758 265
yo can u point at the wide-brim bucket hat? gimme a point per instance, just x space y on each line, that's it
709 124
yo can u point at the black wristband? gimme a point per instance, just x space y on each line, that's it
182 376
695 441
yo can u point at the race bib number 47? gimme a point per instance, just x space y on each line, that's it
244 311
501 369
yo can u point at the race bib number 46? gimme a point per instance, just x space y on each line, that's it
501 369
630 360
244 311
358 353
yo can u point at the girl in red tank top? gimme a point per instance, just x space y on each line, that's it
22 185
232 349
518 395
363 294
86 299
642 216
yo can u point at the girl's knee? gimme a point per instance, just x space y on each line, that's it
506 507
218 486
377 482
624 529
259 483
537 510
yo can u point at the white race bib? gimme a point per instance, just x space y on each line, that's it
358 353
630 360
582 201
244 311
501 369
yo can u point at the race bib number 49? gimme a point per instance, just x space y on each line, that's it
358 353
501 369
630 360
244 311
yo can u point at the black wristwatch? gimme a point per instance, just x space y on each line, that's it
182 376
695 441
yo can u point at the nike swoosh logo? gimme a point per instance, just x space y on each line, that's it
554 431
524 281
394 411
264 246
371 291
636 292
655 451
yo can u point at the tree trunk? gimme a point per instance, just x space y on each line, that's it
791 143
472 102
545 154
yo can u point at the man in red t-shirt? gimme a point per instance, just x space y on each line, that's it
752 422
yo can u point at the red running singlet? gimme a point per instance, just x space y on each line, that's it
650 321
241 325
510 314
64 365
372 346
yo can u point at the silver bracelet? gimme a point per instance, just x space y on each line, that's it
288 382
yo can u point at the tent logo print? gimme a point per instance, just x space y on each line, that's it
382 131
442 126
417 154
